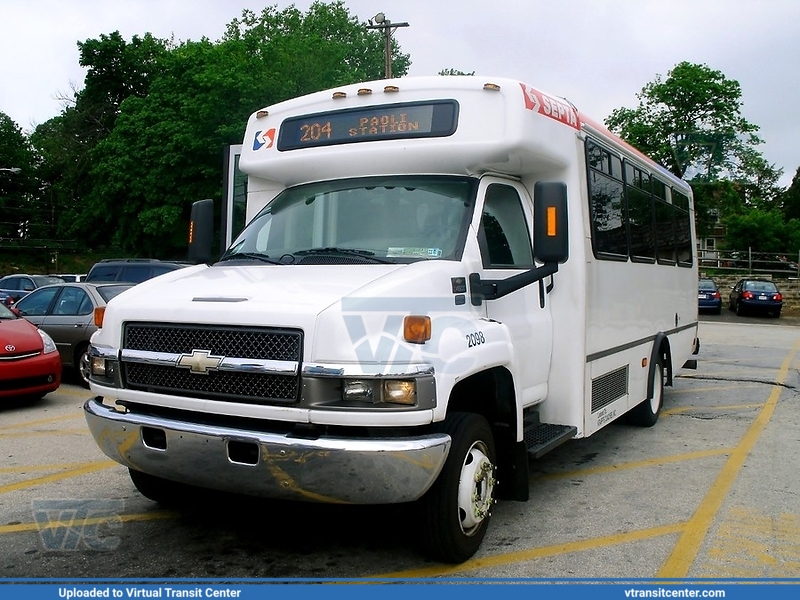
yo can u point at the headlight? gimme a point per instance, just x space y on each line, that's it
98 365
49 344
381 391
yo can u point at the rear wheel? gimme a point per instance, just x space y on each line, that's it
457 509
646 413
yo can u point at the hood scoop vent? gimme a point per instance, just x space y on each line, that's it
218 299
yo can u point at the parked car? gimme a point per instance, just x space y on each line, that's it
756 295
30 366
708 296
67 313
71 277
131 270
14 287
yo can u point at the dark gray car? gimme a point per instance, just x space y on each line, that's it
131 270
66 312
14 287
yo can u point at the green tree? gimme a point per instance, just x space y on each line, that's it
18 186
790 199
762 230
116 70
691 123
446 72
165 149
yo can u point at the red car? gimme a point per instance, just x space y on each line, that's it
30 365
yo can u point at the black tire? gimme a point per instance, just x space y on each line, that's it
739 309
646 413
157 489
449 532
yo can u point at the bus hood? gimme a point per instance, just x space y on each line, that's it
265 295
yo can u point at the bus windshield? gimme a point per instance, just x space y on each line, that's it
365 220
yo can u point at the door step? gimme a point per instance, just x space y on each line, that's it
540 438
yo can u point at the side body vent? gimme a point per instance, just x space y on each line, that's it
609 387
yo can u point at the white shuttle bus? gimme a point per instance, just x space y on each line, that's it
441 278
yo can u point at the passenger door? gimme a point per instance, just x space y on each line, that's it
504 237
69 321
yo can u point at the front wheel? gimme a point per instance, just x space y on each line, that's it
457 509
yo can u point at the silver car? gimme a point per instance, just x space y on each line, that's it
67 313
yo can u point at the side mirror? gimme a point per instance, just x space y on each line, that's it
550 227
201 231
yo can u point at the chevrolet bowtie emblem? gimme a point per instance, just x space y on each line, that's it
200 362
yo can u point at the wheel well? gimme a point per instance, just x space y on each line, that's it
662 350
491 393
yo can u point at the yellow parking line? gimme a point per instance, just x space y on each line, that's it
76 472
22 434
650 462
568 547
46 421
44 467
152 516
714 388
685 551
498 560
684 409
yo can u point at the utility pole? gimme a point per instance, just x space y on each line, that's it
380 21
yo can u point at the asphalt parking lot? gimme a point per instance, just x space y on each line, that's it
710 492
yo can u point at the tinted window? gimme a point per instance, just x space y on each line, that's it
71 301
40 281
665 232
36 303
504 234
10 283
103 273
707 284
636 216
640 214
135 273
110 291
760 286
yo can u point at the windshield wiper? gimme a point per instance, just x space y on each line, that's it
251 256
357 252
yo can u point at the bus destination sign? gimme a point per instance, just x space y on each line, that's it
395 121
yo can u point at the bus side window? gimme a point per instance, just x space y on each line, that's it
504 237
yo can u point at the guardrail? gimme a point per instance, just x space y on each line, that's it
747 262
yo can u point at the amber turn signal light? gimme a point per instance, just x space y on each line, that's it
417 329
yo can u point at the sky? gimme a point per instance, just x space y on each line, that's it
597 54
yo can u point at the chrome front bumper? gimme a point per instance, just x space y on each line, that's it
274 465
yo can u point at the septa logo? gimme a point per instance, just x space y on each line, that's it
555 108
531 99
264 138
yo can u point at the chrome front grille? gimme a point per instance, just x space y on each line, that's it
251 365
274 344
